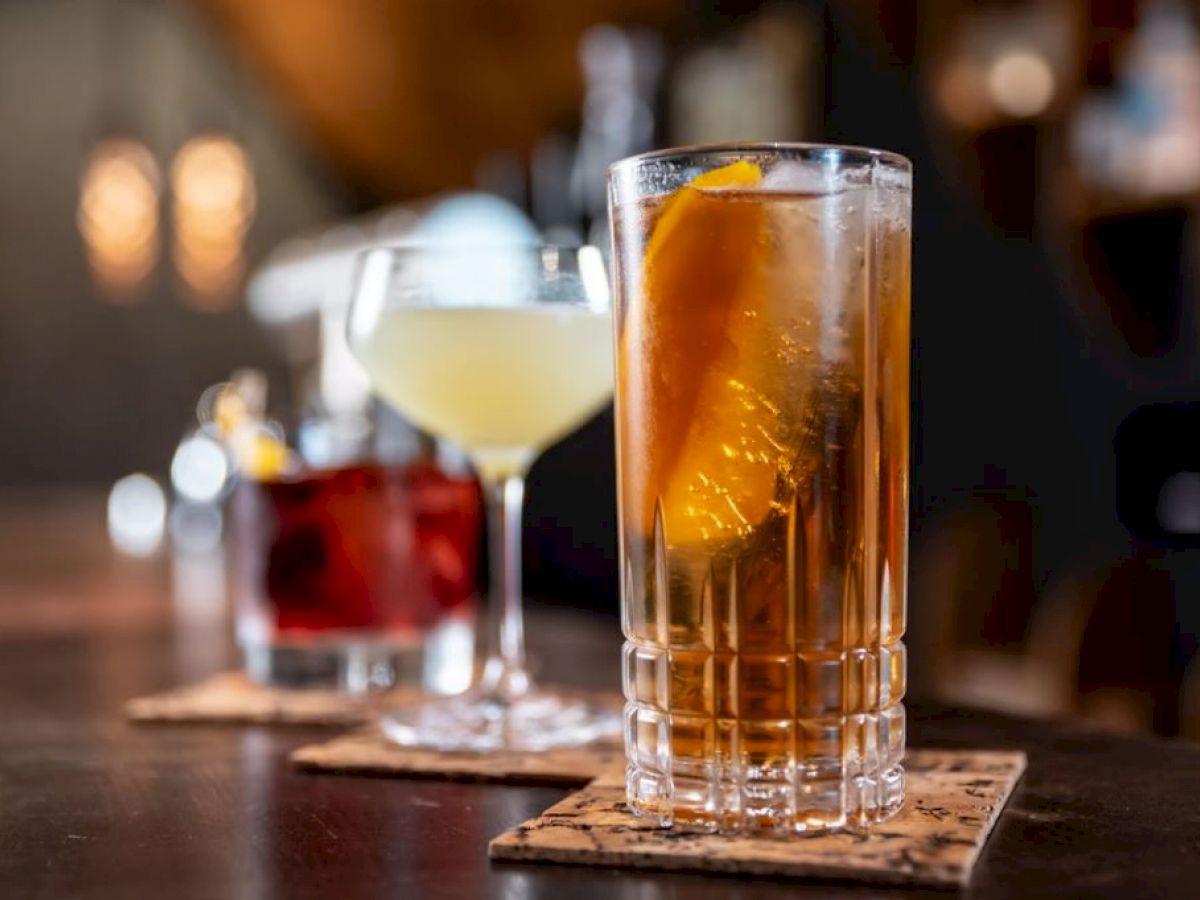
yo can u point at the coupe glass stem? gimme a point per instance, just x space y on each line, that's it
504 677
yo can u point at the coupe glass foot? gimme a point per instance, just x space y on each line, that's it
476 721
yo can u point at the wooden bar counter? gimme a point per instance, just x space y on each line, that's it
94 807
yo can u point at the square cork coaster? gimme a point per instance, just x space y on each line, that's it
369 752
953 799
232 697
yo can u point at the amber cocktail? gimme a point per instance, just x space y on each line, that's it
763 432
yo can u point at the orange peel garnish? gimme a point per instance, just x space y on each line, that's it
697 433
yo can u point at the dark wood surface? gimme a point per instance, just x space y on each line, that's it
91 806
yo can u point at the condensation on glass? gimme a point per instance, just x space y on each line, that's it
763 431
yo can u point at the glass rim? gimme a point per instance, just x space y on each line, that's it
441 248
384 266
846 153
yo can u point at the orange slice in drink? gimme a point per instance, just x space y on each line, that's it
698 420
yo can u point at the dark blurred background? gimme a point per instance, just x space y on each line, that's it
160 158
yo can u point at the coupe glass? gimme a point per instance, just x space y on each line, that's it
503 350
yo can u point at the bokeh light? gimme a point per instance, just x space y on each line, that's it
213 197
491 264
137 512
1179 503
118 215
475 220
962 94
200 468
1021 83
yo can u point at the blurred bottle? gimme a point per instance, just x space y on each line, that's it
755 82
621 70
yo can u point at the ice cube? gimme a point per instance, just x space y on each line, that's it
800 177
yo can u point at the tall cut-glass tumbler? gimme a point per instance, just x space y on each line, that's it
762 341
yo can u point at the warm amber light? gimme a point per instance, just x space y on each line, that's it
1021 83
118 215
213 204
961 91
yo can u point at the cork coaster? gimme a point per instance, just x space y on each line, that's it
232 697
953 800
369 752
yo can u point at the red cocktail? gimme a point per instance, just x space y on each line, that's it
344 568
